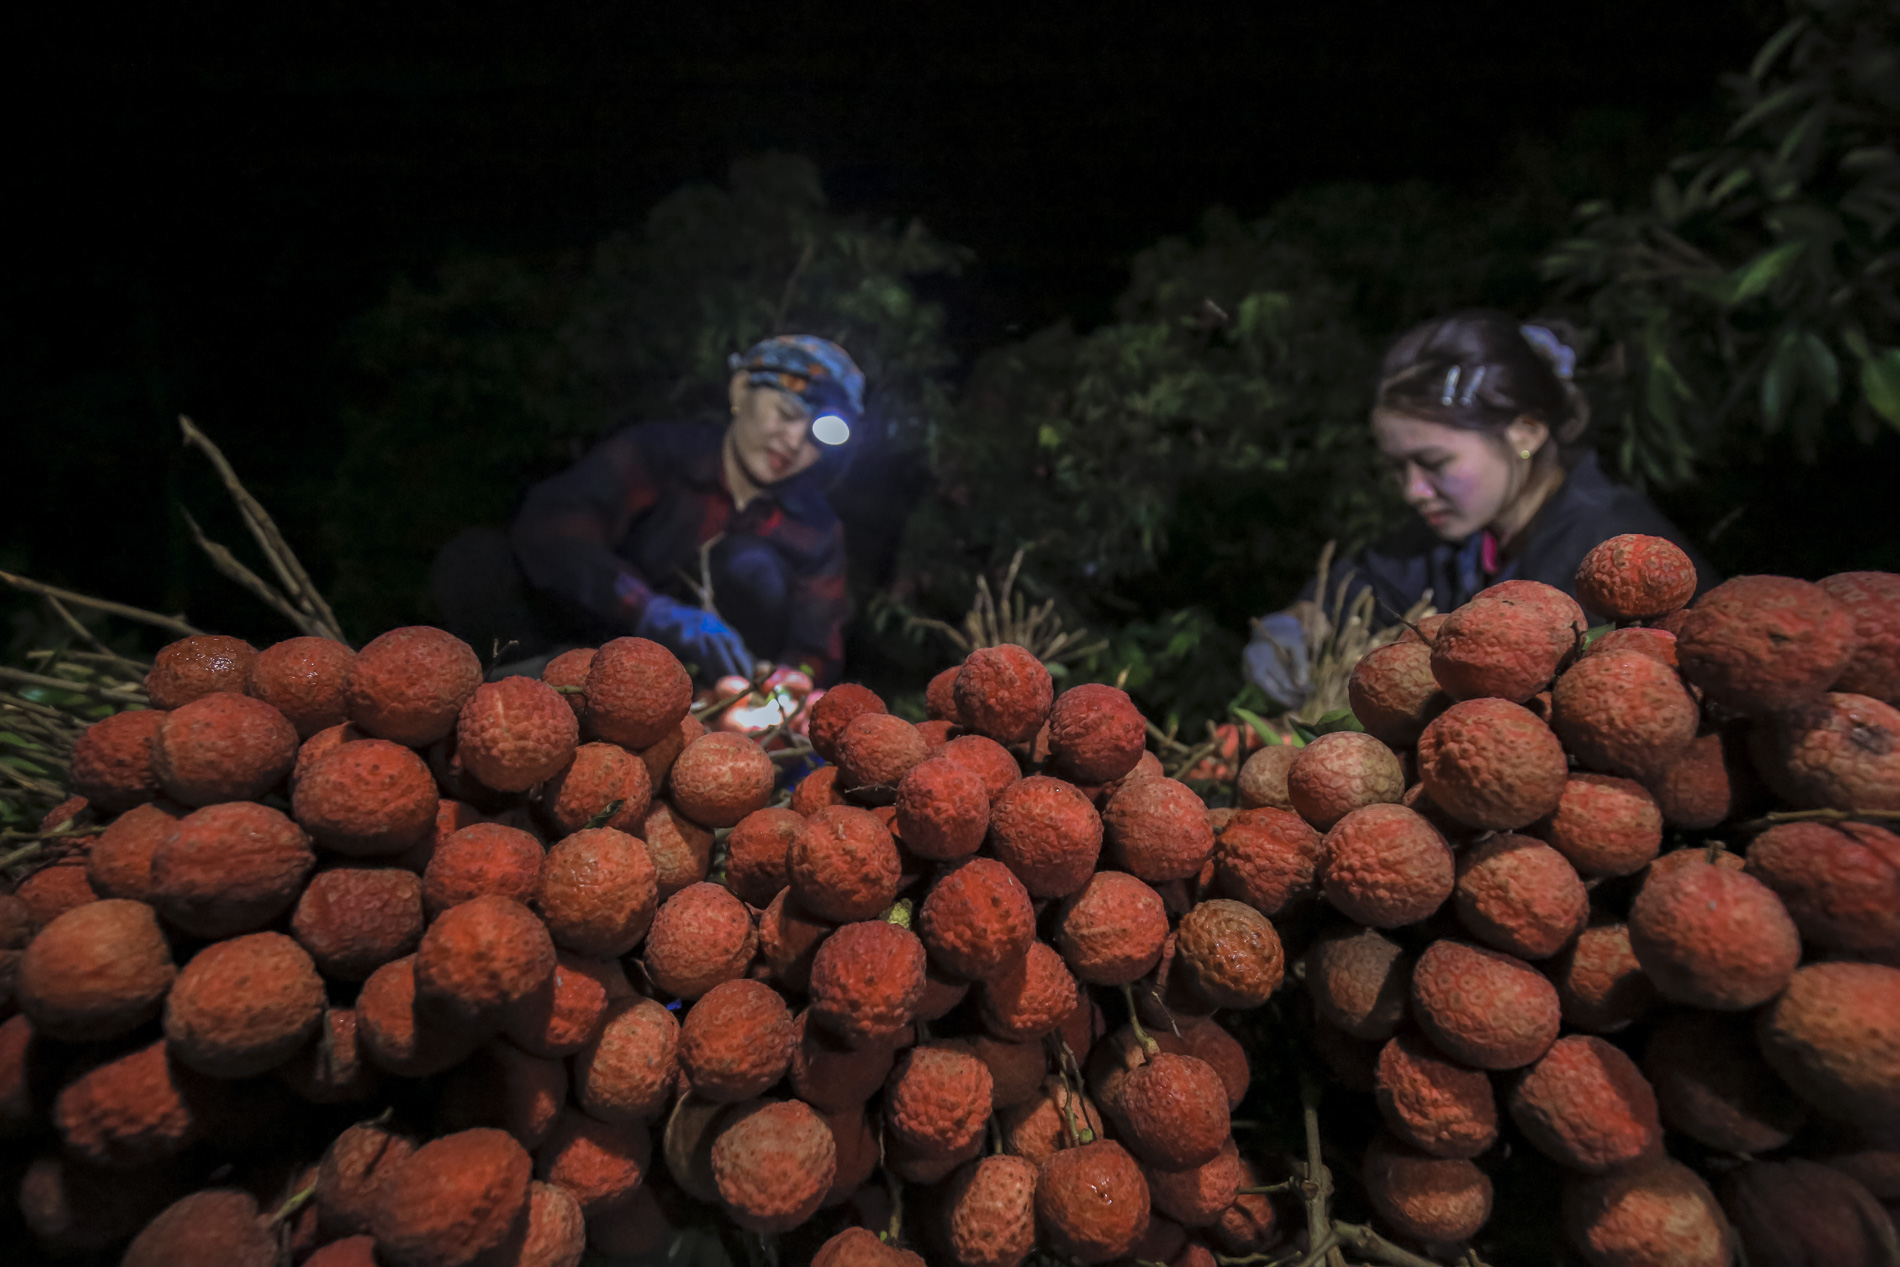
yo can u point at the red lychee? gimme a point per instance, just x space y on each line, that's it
943 810
409 685
626 1074
305 679
1092 1202
1359 980
637 692
1634 577
938 1100
700 936
481 960
1834 1036
98 971
366 799
1262 781
1603 825
1047 833
843 865
681 849
230 868
1175 1111
222 747
112 760
515 733
1520 896
1490 763
977 919
243 1006
197 666
1386 866
876 750
736 1041
1587 1107
1028 998
720 778
774 1165
1110 931
398 1038
1765 644
602 1163
835 710
1432 1103
1158 830
1435 1199
1507 642
992 1213
1268 858
988 759
213 1225
756 854
1004 693
1483 1007
597 892
482 860
1872 599
1712 937
1600 986
866 980
452 1200
1837 752
1656 1214
1342 772
1626 714
1096 734
119 864
1839 882
1229 954
353 920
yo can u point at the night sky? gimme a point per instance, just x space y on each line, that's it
201 203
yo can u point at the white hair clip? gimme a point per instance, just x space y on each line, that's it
1562 358
1470 392
1451 387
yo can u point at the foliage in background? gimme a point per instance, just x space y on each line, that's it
1754 295
498 371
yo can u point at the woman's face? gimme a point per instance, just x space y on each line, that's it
771 432
1458 481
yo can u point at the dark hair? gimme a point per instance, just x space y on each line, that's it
1481 371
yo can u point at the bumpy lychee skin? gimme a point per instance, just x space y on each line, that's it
1704 784
230 868
1393 693
1837 752
409 685
1507 643
195 667
680 848
1626 714
367 799
1587 1107
1030 997
940 696
1765 644
1175 1109
866 980
977 919
1003 693
938 1100
756 854
1520 896
1431 1103
396 1037
139 1108
453 1200
876 750
829 1074
562 1019
1195 1197
1840 882
1092 1202
305 679
989 760
222 747
597 892
1834 1036
1872 599
112 760
1229 954
482 860
1110 932
1386 866
355 1169
1267 858
1600 986
1490 763
1603 825
774 1165
1342 772
1046 831
602 1163
627 1072
569 670
1036 1129
600 777
482 959
98 971
1712 1084
1658 644
736 1041
353 920
1096 734
1656 1214
1359 980
1635 577
1713 937
1158 830
1262 781
789 935
53 890
943 810
992 1205
637 691
1483 1007
515 733
214 1225
843 865
243 1006
720 778
700 936
1427 1198
333 1067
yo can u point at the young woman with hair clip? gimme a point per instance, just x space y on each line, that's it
1484 430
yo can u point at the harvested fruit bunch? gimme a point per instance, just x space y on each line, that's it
521 971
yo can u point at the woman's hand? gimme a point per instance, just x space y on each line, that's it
696 636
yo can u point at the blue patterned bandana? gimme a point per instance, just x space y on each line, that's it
815 370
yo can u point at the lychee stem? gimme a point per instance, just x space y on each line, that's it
1149 1047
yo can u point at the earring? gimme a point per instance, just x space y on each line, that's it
1525 454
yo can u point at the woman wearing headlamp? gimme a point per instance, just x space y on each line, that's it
614 544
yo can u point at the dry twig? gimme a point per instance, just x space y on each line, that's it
1005 617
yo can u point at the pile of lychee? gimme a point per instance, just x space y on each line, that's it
1515 952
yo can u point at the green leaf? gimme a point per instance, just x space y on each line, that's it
1779 378
1777 45
1591 634
1760 273
1048 437
1337 720
1668 199
1728 185
1880 383
1268 735
1773 103
1822 368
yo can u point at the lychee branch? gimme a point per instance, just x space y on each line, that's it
110 608
1819 816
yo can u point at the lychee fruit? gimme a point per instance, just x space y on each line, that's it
943 810
367 799
736 1041
1091 1201
482 959
992 1213
567 674
774 1165
637 692
756 854
990 761
222 747
1839 881
98 971
1765 644
1267 858
843 865
1872 599
597 892
1837 752
409 685
353 920
119 864
1626 714
1229 954
627 1072
876 750
1427 1198
515 733
132 1110
230 868
1262 780
305 679
213 1225
836 709
1096 734
1342 772
564 1018
1386 866
1797 1211
333 1067
396 1036
789 935
1359 980
1603 825
453 1200
1483 1007
1028 998
1834 1036
1586 1106
1110 931
866 980
1704 784
1656 1214
1508 642
1635 577
720 778
1600 986
700 936
111 763
977 919
1003 693
243 1006
1712 1084
504 1087
831 1075
482 860
681 849
602 1163
1431 1103
197 666
1491 763
1197 1196
1713 937
1520 896
1046 831
1174 1108
938 1100
1158 830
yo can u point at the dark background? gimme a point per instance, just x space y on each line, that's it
200 201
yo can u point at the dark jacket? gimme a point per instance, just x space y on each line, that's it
628 520
1587 509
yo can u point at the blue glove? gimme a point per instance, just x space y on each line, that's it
1275 661
695 636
